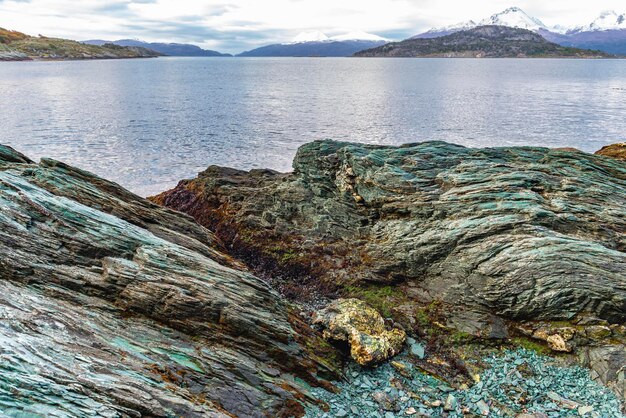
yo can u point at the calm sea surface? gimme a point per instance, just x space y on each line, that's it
149 123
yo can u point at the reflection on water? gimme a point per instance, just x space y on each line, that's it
149 123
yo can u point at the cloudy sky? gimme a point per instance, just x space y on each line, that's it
237 25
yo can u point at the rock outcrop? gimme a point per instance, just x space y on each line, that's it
607 364
521 233
486 238
113 306
617 151
365 331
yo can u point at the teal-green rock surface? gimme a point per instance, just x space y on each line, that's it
111 306
495 238
521 233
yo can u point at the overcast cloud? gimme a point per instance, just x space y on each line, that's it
237 25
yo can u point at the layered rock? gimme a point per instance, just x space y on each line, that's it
523 233
485 237
111 305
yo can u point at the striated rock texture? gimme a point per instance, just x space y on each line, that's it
113 306
513 233
607 365
365 331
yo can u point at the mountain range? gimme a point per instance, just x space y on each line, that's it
606 33
170 49
318 44
488 41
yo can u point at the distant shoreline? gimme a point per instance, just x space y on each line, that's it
17 46
71 59
617 58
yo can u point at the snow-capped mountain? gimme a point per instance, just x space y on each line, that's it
317 36
318 44
313 36
606 33
608 20
447 30
514 17
357 36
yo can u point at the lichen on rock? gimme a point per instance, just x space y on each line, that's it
363 328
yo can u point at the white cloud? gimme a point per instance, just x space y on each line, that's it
234 25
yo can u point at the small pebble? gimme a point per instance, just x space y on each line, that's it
450 404
418 350
584 410
483 407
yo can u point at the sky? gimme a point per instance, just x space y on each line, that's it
237 25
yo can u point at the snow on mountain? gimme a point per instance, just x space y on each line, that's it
446 30
317 36
470 24
312 36
562 30
608 20
606 33
514 17
358 36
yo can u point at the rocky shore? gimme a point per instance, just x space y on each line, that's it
423 280
523 245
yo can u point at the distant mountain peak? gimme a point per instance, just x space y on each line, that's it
608 20
513 9
317 36
310 36
514 17
470 24
358 36
606 33
482 41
